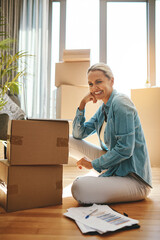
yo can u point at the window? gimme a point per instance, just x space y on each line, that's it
55 39
126 51
158 43
82 26
120 33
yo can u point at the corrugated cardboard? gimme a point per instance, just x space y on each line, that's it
71 73
78 55
37 142
147 103
25 187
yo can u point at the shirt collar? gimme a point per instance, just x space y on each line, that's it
107 105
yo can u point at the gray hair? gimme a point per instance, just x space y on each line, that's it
103 68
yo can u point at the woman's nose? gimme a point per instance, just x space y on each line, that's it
94 87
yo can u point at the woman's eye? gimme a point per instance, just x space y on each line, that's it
99 82
90 84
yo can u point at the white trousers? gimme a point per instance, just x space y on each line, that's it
91 189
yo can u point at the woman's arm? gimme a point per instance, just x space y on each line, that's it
82 129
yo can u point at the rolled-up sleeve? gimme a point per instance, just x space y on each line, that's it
82 129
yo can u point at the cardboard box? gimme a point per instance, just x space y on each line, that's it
25 187
38 142
78 55
147 103
71 73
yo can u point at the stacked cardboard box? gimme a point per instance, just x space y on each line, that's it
71 73
78 55
72 85
32 174
147 101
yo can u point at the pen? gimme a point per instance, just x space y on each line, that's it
91 213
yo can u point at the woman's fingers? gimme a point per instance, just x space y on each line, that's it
93 98
84 162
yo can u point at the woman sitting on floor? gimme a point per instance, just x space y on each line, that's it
123 159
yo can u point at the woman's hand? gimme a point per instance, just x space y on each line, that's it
89 97
84 162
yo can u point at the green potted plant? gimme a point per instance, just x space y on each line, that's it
9 64
10 75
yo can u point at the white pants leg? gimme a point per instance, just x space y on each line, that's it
82 148
90 189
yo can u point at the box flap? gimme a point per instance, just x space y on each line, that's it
53 120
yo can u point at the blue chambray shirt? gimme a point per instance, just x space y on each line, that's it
123 138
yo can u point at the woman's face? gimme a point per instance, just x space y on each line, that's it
100 86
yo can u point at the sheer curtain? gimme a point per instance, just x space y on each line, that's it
10 10
34 38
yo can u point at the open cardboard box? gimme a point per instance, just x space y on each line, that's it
38 142
26 187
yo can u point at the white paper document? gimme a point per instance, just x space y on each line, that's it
99 218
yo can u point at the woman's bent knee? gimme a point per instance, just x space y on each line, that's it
76 190
81 189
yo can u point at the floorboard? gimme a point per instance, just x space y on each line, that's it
49 223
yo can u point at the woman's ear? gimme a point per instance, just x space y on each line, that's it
112 81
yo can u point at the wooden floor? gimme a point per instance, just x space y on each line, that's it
49 223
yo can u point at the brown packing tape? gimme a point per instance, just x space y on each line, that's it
3 184
16 140
12 189
62 142
59 185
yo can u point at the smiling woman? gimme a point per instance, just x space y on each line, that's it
124 165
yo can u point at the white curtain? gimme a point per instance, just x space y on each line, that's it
34 38
10 10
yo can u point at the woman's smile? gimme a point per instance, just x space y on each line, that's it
98 92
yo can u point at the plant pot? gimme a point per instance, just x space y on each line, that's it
4 118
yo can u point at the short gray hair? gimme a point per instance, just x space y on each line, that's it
103 68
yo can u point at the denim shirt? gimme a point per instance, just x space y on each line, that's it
124 139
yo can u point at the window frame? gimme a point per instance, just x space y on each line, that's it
151 63
62 36
151 41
